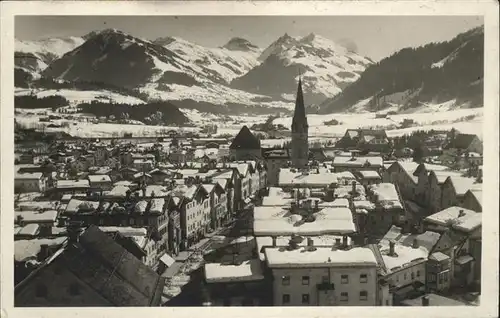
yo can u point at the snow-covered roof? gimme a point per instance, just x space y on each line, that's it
310 179
357 161
279 221
118 191
99 178
29 230
386 195
460 218
241 167
221 182
283 241
74 205
369 174
319 257
37 205
364 204
124 183
141 174
276 201
439 256
463 184
403 256
426 240
125 230
157 205
26 249
72 184
246 271
35 216
29 176
141 206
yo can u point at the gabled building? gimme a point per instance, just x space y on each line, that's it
466 143
90 269
245 146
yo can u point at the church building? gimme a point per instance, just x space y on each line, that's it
300 130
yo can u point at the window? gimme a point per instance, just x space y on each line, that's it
285 280
445 277
363 295
412 275
440 279
344 279
406 276
418 273
305 280
74 289
344 296
363 278
285 299
305 298
397 278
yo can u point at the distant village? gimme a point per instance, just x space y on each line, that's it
183 221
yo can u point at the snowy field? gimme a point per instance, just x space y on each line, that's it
75 96
430 117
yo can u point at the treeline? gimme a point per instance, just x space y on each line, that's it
411 69
33 102
50 83
151 113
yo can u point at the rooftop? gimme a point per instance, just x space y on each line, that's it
249 270
459 218
319 257
287 177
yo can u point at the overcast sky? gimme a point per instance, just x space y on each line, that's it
374 36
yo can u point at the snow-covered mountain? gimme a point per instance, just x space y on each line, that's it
232 60
326 68
177 70
449 73
49 49
32 57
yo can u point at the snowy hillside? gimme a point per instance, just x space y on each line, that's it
232 60
76 97
179 70
412 78
49 49
325 66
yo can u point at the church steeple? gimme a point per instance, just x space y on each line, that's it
300 131
299 116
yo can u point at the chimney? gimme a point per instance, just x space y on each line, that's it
353 188
74 231
316 204
391 248
425 301
415 243
344 241
353 155
310 242
274 240
461 213
44 251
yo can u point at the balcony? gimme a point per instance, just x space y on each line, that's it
325 286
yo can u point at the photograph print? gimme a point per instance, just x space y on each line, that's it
166 161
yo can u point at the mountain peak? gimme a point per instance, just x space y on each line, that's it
240 44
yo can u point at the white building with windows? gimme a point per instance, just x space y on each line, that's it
323 276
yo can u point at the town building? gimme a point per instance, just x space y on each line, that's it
322 276
90 269
245 146
30 182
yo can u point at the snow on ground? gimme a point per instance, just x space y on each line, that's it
75 96
437 120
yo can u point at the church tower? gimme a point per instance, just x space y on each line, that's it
300 130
